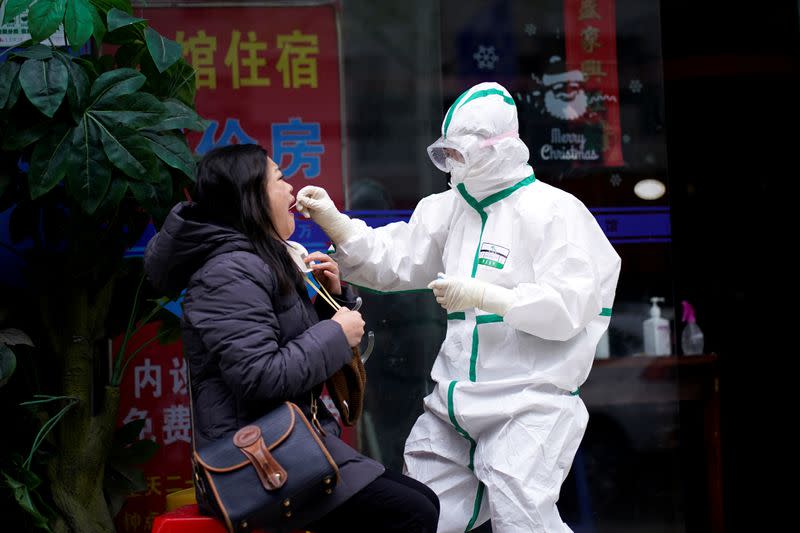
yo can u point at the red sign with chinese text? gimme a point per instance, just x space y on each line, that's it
591 47
154 389
268 75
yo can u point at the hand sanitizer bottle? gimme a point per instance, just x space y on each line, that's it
603 351
656 331
692 336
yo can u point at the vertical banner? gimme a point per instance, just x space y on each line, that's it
591 49
154 389
266 75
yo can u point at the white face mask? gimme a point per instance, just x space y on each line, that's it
458 173
298 253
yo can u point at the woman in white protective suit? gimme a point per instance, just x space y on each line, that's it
528 280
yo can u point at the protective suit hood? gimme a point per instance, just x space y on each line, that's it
482 125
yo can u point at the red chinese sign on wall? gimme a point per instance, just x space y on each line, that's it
266 75
591 48
154 389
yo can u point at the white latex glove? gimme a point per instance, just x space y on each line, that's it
460 293
314 202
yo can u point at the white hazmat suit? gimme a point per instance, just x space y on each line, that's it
528 279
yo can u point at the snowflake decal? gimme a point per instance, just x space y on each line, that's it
530 29
486 57
635 86
626 138
615 180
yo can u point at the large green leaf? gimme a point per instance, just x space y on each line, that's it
124 28
8 77
48 161
165 52
88 67
180 116
135 111
173 151
89 173
141 451
44 83
104 6
115 83
178 81
99 26
135 453
14 8
8 363
44 18
78 22
128 151
37 51
155 197
119 19
14 92
126 434
128 54
116 192
78 88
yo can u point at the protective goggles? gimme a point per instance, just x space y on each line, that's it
448 154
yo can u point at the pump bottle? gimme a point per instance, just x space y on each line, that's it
656 331
692 336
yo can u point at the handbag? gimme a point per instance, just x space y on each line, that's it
346 389
267 472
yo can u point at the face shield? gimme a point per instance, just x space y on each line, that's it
454 155
448 155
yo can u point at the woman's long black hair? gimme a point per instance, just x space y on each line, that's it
231 190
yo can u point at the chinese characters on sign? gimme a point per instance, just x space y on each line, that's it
274 84
590 27
246 59
154 389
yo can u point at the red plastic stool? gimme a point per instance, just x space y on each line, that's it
187 519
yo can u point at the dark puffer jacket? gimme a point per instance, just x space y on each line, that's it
249 347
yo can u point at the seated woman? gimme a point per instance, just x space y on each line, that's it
253 338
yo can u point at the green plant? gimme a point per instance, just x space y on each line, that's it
91 151
8 360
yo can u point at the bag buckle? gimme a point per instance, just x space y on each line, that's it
270 472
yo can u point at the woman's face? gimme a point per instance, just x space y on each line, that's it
280 197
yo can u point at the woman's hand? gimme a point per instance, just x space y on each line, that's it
326 271
352 325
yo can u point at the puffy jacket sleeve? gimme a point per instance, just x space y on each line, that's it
567 292
400 256
232 309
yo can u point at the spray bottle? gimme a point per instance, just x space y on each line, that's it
692 336
656 331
